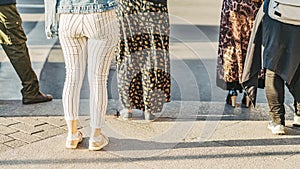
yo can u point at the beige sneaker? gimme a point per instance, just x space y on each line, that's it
296 121
73 140
97 143
276 128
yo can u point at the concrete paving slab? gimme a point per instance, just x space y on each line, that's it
217 152
26 128
28 138
7 130
4 147
4 138
51 153
216 158
58 121
51 133
7 121
29 121
252 130
15 143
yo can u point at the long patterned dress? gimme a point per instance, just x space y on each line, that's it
143 64
236 23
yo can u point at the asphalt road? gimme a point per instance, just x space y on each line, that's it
193 51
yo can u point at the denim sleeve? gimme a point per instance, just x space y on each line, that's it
266 5
51 20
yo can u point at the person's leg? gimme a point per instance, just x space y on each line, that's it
19 58
74 49
16 49
297 111
98 68
101 52
295 91
275 97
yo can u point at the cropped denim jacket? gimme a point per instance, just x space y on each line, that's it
55 7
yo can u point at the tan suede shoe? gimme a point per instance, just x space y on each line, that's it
73 140
97 143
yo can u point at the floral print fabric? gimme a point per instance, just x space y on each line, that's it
143 63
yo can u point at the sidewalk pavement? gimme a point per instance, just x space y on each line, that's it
186 135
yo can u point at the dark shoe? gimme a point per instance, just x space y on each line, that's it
231 97
41 97
117 114
149 116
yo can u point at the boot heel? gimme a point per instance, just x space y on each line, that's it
231 97
233 101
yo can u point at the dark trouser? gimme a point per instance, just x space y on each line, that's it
294 88
275 95
13 41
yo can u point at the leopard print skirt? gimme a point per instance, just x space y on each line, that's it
236 23
143 63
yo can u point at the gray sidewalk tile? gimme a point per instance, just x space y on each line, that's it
15 143
45 127
50 133
32 121
4 138
7 130
55 121
4 148
7 121
65 127
25 137
29 129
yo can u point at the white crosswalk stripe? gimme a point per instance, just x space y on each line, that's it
30 6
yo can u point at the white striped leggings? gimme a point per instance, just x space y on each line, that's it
87 39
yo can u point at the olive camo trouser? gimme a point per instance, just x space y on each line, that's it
13 41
